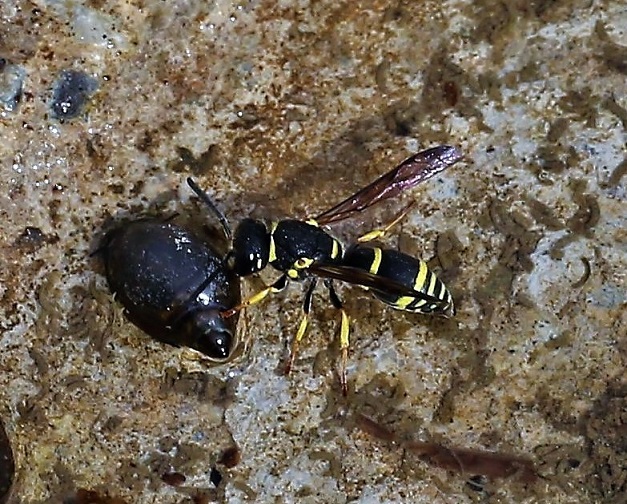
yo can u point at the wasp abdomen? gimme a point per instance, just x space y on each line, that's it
405 270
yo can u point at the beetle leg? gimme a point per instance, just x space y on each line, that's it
277 286
344 335
303 325
380 233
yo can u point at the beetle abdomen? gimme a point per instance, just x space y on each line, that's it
171 283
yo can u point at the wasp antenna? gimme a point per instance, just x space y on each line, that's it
205 198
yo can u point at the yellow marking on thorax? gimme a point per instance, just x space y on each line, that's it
336 249
303 262
421 276
376 261
272 253
312 222
298 266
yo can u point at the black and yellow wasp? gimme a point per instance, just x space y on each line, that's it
303 250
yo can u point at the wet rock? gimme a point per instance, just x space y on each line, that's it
11 82
71 93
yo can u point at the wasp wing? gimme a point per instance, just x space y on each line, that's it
409 173
358 276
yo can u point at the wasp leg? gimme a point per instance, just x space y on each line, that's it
344 332
303 325
380 233
277 286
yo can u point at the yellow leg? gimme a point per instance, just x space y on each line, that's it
277 286
344 343
296 342
344 339
380 233
302 327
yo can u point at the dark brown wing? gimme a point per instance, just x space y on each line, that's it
357 276
409 173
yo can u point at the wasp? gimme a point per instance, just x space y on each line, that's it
303 250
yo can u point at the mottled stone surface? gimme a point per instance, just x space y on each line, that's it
282 109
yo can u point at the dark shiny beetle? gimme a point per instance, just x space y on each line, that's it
303 250
173 284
